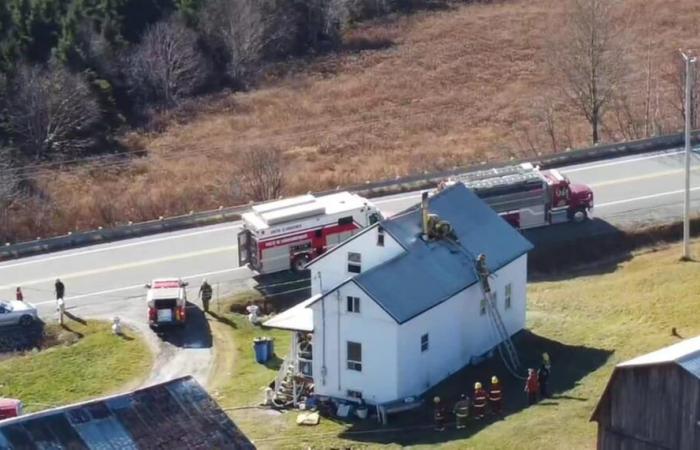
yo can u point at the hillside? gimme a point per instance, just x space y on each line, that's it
435 89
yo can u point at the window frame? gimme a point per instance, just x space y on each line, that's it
380 236
354 266
482 307
352 304
353 364
347 220
353 394
425 342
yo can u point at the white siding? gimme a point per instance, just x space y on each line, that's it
373 328
334 265
457 331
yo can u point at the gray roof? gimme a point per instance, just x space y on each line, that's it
429 273
685 353
178 414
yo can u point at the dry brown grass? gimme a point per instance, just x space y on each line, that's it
455 87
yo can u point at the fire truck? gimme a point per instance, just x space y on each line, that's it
527 197
167 302
287 234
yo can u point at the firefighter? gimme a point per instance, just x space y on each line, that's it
483 271
438 414
205 292
60 289
18 294
531 386
479 401
542 379
461 411
496 396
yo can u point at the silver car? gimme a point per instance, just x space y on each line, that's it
14 312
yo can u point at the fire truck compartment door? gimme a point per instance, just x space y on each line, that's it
559 215
243 248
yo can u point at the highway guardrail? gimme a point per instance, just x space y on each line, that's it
370 189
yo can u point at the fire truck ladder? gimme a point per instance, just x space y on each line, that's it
510 358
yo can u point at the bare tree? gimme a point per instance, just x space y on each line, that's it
51 112
167 65
589 56
9 189
261 175
247 31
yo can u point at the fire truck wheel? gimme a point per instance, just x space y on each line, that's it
579 215
299 262
26 320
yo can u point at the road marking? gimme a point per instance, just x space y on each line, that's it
108 247
644 197
648 176
117 267
141 285
623 161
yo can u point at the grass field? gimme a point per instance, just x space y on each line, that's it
588 323
87 361
445 88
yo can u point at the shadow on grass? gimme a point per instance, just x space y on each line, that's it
75 318
77 334
223 319
274 363
569 365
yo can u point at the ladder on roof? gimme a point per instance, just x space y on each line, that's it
510 359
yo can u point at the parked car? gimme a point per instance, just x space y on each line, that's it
14 312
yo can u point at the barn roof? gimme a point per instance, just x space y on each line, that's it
685 354
430 272
177 414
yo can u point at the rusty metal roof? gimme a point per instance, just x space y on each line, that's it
178 414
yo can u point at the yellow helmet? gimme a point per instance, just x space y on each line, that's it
436 400
477 385
494 379
545 357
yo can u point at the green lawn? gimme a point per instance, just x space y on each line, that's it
587 322
87 361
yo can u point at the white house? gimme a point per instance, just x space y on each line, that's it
394 312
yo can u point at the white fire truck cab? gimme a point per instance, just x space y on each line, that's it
527 197
167 302
287 234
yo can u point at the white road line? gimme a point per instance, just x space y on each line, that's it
644 197
119 246
624 161
117 267
141 285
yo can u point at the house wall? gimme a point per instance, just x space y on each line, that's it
373 328
650 407
457 331
334 265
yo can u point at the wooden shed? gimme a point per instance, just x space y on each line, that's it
652 402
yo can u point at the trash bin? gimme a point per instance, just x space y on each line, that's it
261 350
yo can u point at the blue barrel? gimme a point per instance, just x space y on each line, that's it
261 350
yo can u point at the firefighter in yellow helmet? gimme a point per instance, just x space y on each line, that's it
438 414
479 401
496 397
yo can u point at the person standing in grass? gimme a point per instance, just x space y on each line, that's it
461 411
205 292
438 414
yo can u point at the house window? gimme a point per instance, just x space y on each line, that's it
354 262
345 220
354 304
380 236
354 356
424 343
482 307
354 394
509 292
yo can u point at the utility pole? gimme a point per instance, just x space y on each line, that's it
689 75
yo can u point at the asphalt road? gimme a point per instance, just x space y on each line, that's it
107 280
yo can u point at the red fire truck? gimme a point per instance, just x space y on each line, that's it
289 233
527 197
167 302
